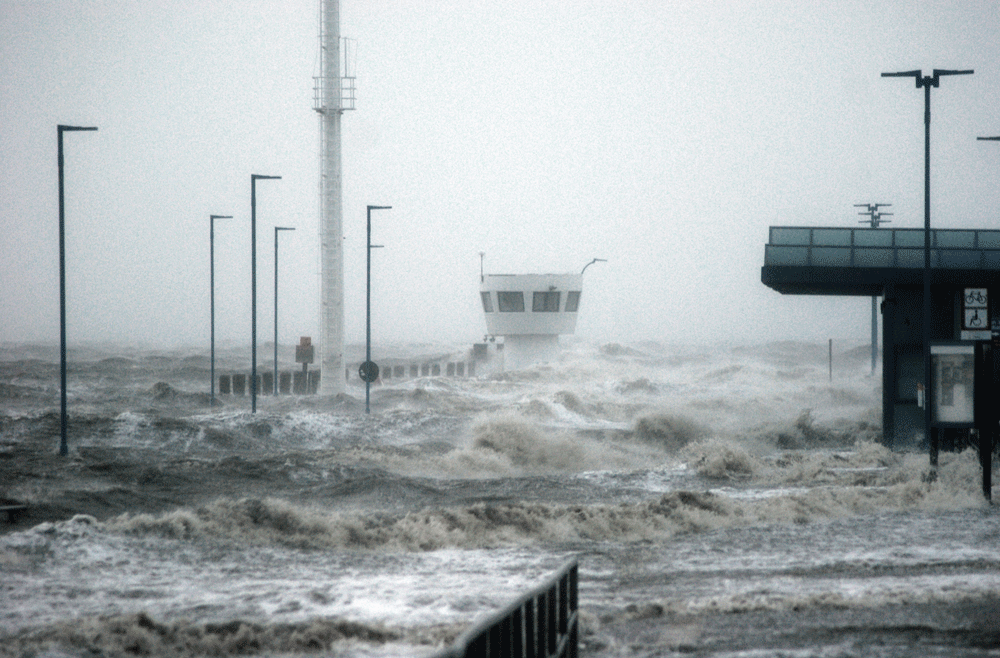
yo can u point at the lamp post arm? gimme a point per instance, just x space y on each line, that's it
368 302
211 287
63 417
253 286
274 383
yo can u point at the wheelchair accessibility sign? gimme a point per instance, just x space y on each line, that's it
975 310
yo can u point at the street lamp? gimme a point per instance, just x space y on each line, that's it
927 81
369 369
63 418
875 218
276 229
253 286
986 438
211 278
596 260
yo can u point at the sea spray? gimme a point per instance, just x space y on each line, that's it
524 445
721 459
669 431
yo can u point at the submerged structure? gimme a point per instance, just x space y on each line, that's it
530 311
964 328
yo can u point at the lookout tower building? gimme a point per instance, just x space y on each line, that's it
530 311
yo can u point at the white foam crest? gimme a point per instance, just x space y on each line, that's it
74 570
786 593
523 445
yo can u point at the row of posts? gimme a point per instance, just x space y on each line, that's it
299 383
307 383
413 370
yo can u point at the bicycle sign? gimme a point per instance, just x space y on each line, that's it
975 298
975 309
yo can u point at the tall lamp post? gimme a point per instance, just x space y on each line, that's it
211 285
875 217
276 229
986 438
926 82
63 418
253 286
371 373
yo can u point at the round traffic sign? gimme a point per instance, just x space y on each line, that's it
368 371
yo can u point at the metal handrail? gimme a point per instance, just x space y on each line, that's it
542 623
800 245
993 235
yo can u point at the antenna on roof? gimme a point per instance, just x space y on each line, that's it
873 213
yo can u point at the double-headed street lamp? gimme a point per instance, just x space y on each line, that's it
276 229
369 370
926 82
211 279
253 286
63 419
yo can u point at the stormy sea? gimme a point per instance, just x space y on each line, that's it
721 501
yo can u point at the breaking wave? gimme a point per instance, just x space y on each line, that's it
140 634
263 521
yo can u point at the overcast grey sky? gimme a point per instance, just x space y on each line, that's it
663 136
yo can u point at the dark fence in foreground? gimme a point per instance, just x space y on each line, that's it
540 624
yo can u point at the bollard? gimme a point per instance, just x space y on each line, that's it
267 384
313 382
400 371
425 370
299 383
450 369
239 384
436 370
472 368
460 369
224 385
414 370
285 383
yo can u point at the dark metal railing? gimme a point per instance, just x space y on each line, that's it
898 248
540 624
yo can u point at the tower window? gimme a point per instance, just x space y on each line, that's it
510 302
545 302
572 301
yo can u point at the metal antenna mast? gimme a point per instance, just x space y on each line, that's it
334 92
875 217
873 213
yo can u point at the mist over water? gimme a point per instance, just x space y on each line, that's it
725 501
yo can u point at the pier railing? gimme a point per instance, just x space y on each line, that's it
543 623
874 248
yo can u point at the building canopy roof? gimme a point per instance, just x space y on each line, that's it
806 260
